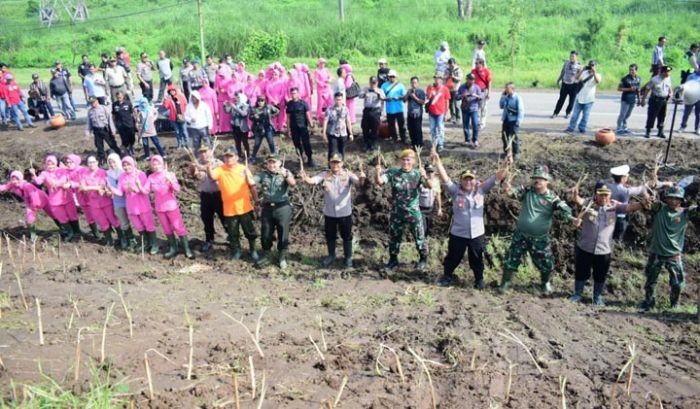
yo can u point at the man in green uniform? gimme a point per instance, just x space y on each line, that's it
406 183
273 189
538 205
666 245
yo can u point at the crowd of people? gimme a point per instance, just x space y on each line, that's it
224 98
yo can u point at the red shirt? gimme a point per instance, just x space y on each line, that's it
482 77
13 95
439 99
170 106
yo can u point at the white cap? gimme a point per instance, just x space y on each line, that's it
623 170
444 44
381 61
392 73
195 94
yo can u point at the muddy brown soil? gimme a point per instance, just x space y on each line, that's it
463 335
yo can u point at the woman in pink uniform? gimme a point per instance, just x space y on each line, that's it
57 183
261 82
324 94
209 97
251 89
75 172
164 185
93 185
133 185
241 74
34 198
349 79
276 92
221 85
308 84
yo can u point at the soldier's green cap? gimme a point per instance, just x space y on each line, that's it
676 192
467 174
335 157
272 158
541 172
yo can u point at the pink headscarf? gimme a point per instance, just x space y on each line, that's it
74 158
129 160
17 174
51 159
157 158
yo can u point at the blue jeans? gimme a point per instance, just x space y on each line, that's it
66 106
269 137
199 136
470 118
3 111
183 139
625 112
15 111
583 110
156 143
687 110
437 130
42 108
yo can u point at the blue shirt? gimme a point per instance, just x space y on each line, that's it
470 97
512 107
394 103
93 89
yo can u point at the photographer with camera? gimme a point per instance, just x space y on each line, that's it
588 79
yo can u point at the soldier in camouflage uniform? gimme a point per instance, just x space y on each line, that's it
405 183
538 205
273 189
666 245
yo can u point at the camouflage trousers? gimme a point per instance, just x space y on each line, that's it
399 220
674 265
539 249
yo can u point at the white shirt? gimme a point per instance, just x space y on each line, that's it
164 67
479 54
441 58
587 93
199 117
115 76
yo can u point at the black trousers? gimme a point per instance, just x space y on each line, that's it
210 204
147 92
332 225
302 141
393 120
127 135
656 112
566 90
241 139
457 246
508 131
103 135
245 221
415 130
455 109
370 126
336 144
275 219
585 262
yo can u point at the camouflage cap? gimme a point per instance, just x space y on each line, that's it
467 174
272 158
541 172
406 153
335 157
676 192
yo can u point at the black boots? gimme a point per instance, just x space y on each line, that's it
347 252
330 258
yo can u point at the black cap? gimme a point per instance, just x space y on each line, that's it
231 151
481 42
470 76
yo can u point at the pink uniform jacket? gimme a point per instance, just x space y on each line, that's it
54 181
209 97
137 200
164 185
96 179
33 197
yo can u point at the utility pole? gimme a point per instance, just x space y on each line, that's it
470 8
201 31
460 9
341 9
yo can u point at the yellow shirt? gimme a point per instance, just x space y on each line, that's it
235 191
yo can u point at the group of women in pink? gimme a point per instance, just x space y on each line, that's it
274 83
111 200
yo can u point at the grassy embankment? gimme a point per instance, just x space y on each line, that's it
407 32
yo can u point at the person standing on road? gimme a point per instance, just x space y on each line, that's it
117 79
144 73
437 102
59 91
532 235
15 102
588 79
276 216
442 55
416 101
661 90
405 182
373 98
210 67
165 71
666 242
337 208
629 86
453 79
337 129
176 104
164 186
382 72
470 95
512 116
101 124
210 203
83 71
124 121
185 70
467 225
96 85
395 94
479 53
482 79
238 194
65 74
692 56
197 76
657 57
568 84
594 245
